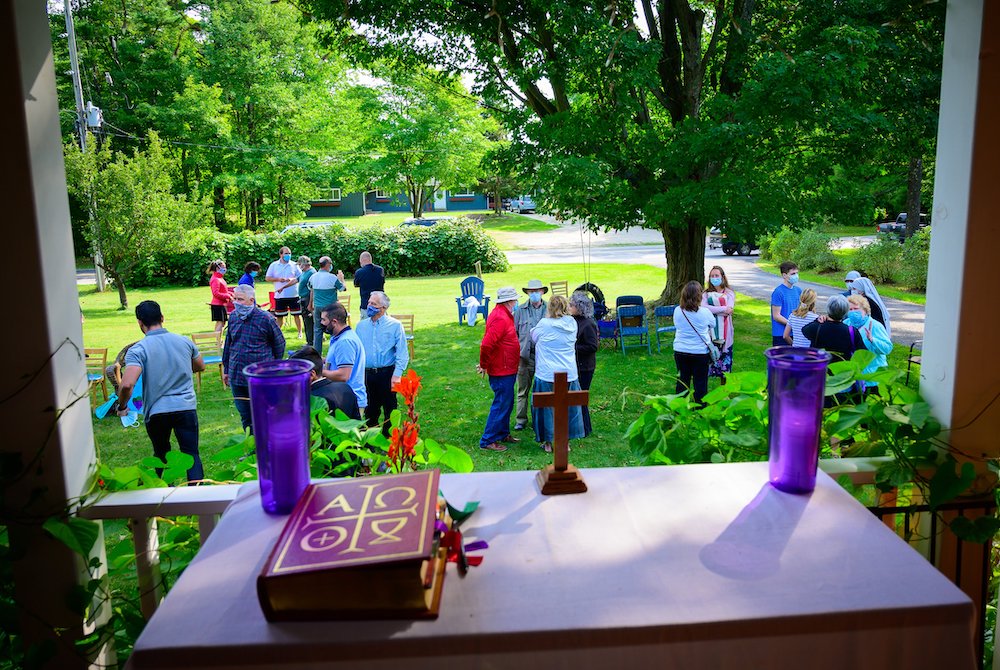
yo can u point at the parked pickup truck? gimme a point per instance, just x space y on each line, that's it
898 227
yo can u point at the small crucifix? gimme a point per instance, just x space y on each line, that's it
560 477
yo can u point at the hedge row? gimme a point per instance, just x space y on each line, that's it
450 247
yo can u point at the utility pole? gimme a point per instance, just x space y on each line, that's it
81 121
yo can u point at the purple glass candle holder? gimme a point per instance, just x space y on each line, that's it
796 380
279 405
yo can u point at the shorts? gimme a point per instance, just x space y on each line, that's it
286 306
219 313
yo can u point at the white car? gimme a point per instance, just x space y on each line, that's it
522 203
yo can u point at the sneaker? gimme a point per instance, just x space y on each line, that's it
494 446
520 426
510 439
547 447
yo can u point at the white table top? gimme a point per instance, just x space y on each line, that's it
689 566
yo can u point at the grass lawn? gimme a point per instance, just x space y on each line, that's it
836 279
454 400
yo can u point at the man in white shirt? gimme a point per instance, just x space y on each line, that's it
285 275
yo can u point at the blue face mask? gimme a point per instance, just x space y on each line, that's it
371 311
856 318
287 257
535 297
715 281
793 279
223 270
253 273
242 311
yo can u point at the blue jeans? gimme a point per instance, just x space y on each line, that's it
498 422
243 406
184 425
542 417
317 334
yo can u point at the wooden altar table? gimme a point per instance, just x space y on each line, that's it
702 566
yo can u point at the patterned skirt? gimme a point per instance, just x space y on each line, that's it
723 365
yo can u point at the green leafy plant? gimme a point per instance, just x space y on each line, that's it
896 422
916 257
881 260
449 247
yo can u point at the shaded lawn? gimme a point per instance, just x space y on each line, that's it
836 278
454 400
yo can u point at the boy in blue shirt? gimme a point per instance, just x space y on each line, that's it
784 301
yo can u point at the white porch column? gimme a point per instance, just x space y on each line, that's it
961 371
47 450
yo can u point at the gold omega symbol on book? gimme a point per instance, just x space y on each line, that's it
384 523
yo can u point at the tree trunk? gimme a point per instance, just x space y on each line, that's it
685 253
219 206
122 298
497 209
914 180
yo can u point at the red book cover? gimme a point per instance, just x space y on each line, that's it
356 546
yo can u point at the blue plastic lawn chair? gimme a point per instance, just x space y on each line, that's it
663 318
473 286
632 325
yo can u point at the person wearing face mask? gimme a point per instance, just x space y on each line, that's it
345 361
222 297
323 287
849 282
784 300
166 361
285 275
720 301
873 335
386 358
250 272
863 286
526 316
253 336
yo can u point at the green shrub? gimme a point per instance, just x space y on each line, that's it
813 252
450 247
765 241
881 261
915 258
784 246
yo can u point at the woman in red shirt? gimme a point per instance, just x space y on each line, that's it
222 296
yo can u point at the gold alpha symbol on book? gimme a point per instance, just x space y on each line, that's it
383 519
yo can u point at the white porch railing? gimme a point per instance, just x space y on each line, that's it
140 509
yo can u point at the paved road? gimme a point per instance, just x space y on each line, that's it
743 274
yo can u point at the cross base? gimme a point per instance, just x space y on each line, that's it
554 482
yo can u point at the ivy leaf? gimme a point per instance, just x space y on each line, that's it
78 534
892 474
946 484
839 383
980 530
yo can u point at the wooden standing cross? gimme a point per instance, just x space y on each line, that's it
560 477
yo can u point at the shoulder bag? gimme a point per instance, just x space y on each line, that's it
713 351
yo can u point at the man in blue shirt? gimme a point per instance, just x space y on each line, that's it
784 301
323 287
166 361
386 358
345 362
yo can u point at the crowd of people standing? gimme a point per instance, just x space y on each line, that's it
526 342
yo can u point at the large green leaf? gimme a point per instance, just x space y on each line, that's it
947 484
981 529
78 534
